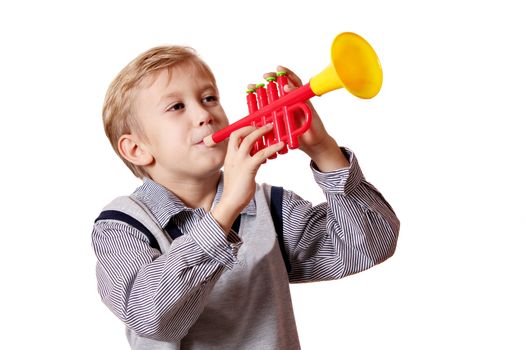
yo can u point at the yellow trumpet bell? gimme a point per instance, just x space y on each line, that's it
354 66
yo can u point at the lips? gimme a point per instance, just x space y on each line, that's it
198 139
201 133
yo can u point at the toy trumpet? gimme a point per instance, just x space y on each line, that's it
354 66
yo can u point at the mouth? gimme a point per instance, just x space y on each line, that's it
200 140
199 137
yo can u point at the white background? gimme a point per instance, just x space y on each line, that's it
443 142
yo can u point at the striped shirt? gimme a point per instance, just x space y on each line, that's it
161 296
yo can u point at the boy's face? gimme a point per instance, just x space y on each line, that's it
177 108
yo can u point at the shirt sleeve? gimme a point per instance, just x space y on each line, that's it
160 296
352 231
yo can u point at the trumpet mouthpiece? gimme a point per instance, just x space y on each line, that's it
208 141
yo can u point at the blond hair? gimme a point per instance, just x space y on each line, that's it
117 112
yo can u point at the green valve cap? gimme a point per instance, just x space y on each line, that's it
250 91
281 73
259 85
270 79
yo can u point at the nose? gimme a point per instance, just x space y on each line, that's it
203 116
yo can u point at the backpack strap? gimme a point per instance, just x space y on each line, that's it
120 216
134 213
276 209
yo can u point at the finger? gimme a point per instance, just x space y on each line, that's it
289 87
282 69
292 77
236 137
248 142
251 87
293 81
269 75
263 154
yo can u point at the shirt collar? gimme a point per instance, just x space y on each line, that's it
164 204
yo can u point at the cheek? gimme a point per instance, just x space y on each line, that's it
220 117
168 139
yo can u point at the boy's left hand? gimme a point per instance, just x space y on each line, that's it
315 142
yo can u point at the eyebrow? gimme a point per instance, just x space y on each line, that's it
168 96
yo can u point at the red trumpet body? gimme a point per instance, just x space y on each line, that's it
271 104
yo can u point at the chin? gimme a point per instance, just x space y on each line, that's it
212 165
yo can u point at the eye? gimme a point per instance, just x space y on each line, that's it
210 98
176 107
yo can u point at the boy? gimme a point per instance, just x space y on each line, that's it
220 276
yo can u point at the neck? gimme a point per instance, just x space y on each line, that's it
194 192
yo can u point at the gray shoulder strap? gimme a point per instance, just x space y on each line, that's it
135 210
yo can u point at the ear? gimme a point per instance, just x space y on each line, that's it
134 151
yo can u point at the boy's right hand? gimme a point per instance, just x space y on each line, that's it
240 169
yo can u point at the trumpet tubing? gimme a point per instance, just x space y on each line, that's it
354 66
